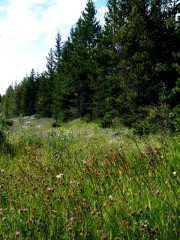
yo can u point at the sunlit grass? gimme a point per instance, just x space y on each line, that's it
83 182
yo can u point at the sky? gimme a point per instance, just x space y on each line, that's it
28 29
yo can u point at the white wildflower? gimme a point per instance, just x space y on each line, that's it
59 175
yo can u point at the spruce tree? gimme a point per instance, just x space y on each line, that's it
57 84
8 103
50 74
108 58
80 61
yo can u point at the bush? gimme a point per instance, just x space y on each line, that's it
55 125
154 119
9 122
175 119
106 121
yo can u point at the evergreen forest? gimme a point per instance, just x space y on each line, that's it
126 69
89 148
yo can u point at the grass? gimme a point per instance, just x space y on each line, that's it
83 182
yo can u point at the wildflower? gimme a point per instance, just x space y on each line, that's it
110 197
105 161
99 228
124 166
103 237
133 213
50 189
155 229
18 234
141 210
72 219
114 156
119 171
126 223
59 175
174 173
105 204
142 226
4 219
69 229
92 213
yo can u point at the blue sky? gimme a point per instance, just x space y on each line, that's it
28 30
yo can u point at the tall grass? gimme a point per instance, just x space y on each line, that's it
82 182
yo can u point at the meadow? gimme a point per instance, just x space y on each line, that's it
79 181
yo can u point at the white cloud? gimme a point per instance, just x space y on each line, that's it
28 31
100 13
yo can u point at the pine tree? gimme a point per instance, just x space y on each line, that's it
108 58
43 106
50 74
17 100
8 103
82 63
58 51
90 33
57 84
28 94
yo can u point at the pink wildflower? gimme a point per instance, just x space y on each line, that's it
18 234
110 197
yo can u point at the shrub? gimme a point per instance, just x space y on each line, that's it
175 119
154 119
55 125
106 121
9 122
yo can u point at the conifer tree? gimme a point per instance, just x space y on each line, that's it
8 103
50 74
58 51
82 63
17 100
28 94
57 84
108 59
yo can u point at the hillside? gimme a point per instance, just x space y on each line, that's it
80 181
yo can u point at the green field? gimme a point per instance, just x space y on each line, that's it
80 181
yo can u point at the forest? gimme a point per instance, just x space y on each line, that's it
89 148
126 69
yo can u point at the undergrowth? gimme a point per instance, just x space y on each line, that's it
83 182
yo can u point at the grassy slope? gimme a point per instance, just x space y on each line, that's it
83 182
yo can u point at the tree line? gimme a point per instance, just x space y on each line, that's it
129 68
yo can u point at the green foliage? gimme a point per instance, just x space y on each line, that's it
5 146
55 125
153 120
9 122
81 181
106 121
129 64
175 119
4 123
